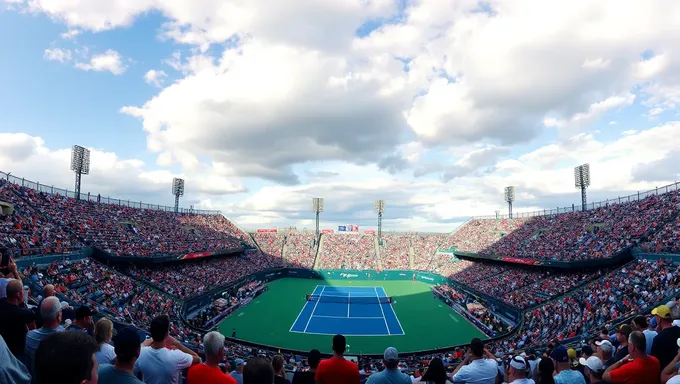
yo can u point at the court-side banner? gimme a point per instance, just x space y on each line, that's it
342 228
327 231
519 261
196 255
370 231
266 230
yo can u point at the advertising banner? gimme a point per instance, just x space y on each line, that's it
519 261
196 255
327 231
370 231
342 228
266 231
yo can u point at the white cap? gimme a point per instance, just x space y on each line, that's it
593 362
606 345
518 363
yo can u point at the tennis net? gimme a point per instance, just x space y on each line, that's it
350 299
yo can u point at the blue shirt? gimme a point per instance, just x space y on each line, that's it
33 339
389 376
12 371
480 371
569 377
108 374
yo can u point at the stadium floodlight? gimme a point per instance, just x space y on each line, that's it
80 164
582 181
317 207
379 207
509 198
177 191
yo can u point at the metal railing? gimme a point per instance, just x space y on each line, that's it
98 198
577 207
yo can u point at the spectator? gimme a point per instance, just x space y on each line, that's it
391 374
592 369
604 352
8 271
126 351
640 324
436 373
209 371
50 311
664 346
103 332
157 363
544 372
83 321
479 366
565 375
517 371
237 373
307 377
258 370
622 334
279 371
11 370
15 320
671 372
337 370
66 358
635 368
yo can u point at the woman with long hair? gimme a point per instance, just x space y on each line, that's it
436 373
103 331
544 371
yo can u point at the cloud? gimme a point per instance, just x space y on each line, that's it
58 54
664 170
595 110
109 61
155 77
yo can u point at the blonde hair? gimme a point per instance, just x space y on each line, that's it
103 330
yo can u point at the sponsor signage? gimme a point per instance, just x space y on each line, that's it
196 255
327 231
370 231
519 261
266 231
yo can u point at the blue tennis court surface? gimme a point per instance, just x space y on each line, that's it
361 317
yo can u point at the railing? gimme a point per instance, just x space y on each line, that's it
98 198
621 199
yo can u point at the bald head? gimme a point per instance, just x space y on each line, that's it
15 291
48 290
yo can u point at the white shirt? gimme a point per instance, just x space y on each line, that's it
674 380
3 286
482 371
522 381
106 354
162 366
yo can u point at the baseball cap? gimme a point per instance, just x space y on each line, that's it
624 329
83 312
391 354
571 352
606 345
518 363
126 343
560 354
662 311
593 362
239 362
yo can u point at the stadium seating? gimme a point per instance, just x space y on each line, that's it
351 251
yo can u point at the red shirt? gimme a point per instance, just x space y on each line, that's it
638 371
201 373
337 370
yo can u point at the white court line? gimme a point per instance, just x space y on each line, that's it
381 310
343 317
302 310
347 334
394 313
313 309
349 297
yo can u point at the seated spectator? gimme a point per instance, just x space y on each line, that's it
479 366
592 369
209 371
66 358
15 319
237 373
279 371
50 311
258 370
435 374
157 363
337 370
565 375
636 367
307 377
103 331
126 351
391 374
12 370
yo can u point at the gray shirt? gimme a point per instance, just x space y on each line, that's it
237 376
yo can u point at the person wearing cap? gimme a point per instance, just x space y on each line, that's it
126 351
307 377
337 370
592 369
622 334
635 368
573 359
83 321
604 352
237 373
640 324
15 320
664 346
671 373
391 374
479 366
50 311
517 371
209 371
565 375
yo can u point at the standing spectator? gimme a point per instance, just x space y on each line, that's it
279 372
635 368
12 370
544 373
66 358
14 319
209 371
8 270
435 374
622 334
640 324
50 311
103 331
665 345
337 370
237 373
479 366
158 364
258 370
83 321
126 351
517 372
307 377
671 373
592 369
565 375
391 374
604 352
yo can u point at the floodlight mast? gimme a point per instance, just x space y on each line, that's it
582 181
80 164
317 207
509 198
379 207
177 191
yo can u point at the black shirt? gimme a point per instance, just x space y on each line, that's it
280 380
665 345
13 320
306 377
621 353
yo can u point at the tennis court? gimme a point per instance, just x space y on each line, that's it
355 311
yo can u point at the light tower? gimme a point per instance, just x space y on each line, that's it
177 191
582 181
379 207
317 207
80 164
510 197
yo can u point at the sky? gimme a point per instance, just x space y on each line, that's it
431 105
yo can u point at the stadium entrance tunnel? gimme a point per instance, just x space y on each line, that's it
301 309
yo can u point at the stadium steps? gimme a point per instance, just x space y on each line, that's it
317 259
378 257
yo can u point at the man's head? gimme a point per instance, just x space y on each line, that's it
15 292
622 333
662 314
587 351
391 358
640 323
518 368
160 326
48 290
604 349
238 365
84 315
50 311
66 358
127 346
593 367
213 346
314 358
561 358
339 344
637 344
477 347
258 371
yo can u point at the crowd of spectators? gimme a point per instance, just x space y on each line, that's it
424 247
666 240
478 234
270 242
350 251
301 249
394 251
